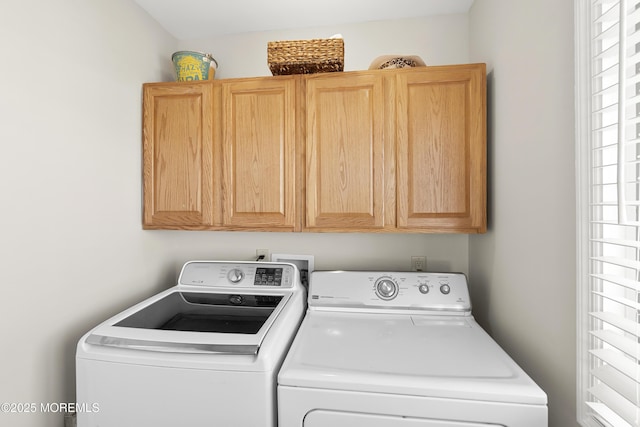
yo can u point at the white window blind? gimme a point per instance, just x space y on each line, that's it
609 246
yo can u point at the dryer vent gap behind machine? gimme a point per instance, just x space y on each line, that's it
400 349
205 352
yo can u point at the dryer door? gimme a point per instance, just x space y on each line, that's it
321 418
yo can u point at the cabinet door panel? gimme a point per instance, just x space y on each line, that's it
438 158
441 150
259 153
178 155
344 152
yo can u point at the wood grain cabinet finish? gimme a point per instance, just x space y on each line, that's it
440 123
178 156
367 151
345 173
397 150
258 145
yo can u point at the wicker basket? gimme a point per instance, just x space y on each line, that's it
305 56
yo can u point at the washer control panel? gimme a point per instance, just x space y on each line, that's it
239 274
439 292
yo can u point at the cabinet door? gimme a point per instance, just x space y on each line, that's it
441 151
345 152
259 131
178 155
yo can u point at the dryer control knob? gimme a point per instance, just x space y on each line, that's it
424 289
445 289
386 288
235 275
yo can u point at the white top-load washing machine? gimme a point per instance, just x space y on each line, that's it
400 349
205 352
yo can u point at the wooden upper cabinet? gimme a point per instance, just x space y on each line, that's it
258 150
441 149
366 151
178 156
345 174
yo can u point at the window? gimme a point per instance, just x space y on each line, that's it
608 150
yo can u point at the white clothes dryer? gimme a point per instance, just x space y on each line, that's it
205 352
400 349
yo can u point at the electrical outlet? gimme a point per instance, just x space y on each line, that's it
418 263
264 253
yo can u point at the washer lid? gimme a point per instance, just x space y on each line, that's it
436 356
178 321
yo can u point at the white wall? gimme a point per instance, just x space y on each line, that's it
437 40
72 250
523 269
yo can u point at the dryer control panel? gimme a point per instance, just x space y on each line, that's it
239 274
436 292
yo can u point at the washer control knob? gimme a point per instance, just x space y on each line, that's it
386 288
235 275
445 289
424 289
